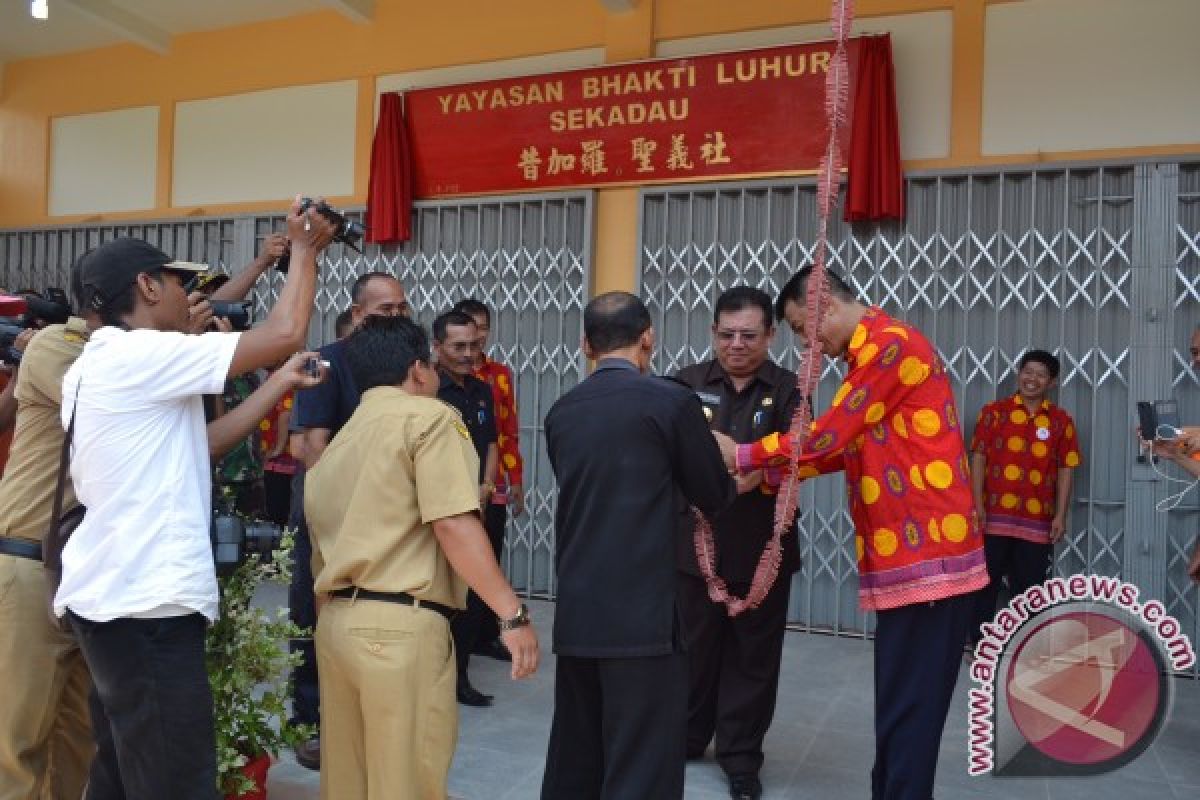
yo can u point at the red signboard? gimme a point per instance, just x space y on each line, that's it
756 112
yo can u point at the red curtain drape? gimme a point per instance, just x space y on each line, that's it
389 193
875 184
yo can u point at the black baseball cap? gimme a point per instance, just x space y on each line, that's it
106 271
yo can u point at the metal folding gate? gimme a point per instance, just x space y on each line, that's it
1071 259
527 257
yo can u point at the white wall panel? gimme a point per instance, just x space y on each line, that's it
103 162
268 145
1090 74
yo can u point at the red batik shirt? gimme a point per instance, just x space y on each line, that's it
270 430
1024 451
511 467
894 429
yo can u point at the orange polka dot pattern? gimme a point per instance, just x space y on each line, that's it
894 430
500 378
1024 451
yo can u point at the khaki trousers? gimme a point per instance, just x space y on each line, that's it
45 727
389 719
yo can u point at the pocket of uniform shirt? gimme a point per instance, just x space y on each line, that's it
381 634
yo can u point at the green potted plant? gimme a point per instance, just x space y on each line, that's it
248 667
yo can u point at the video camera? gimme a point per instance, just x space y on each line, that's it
238 314
30 310
349 232
235 539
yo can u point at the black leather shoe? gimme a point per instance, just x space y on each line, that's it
468 695
493 649
745 787
308 753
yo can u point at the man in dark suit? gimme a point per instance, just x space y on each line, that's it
734 661
630 452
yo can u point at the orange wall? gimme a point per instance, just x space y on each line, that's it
407 36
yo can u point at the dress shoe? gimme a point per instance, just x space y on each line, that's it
308 753
493 649
468 695
745 787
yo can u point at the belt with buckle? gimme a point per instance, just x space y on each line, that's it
21 548
402 598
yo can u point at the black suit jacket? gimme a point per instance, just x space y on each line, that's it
765 406
630 453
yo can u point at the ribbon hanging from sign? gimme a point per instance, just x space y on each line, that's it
837 96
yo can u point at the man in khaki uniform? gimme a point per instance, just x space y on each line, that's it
45 729
393 512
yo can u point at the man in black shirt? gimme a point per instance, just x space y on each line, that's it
319 414
630 453
456 343
734 661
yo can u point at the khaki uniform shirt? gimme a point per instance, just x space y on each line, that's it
401 462
27 491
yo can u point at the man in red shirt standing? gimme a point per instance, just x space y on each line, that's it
893 428
1022 457
509 476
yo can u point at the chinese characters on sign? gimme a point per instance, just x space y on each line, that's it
751 113
592 159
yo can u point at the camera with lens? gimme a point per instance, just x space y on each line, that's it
234 539
262 538
29 311
347 231
238 314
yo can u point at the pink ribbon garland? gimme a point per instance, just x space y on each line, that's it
837 96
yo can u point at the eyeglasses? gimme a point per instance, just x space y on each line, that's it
728 336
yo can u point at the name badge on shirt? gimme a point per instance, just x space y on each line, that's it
1043 434
708 399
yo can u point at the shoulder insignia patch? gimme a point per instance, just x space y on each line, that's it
462 430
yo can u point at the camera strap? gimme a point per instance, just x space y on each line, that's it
52 548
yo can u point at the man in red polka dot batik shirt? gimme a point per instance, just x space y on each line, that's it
1022 457
893 429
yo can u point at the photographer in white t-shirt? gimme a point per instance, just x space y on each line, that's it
138 581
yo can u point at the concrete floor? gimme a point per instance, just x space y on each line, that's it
820 747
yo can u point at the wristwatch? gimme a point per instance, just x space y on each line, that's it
520 620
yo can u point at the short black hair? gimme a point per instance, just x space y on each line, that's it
446 320
473 307
614 320
120 305
341 325
360 284
739 298
1043 357
383 349
796 289
77 282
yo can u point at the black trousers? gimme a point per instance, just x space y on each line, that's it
733 665
1025 564
278 489
619 729
152 709
302 604
477 624
918 652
